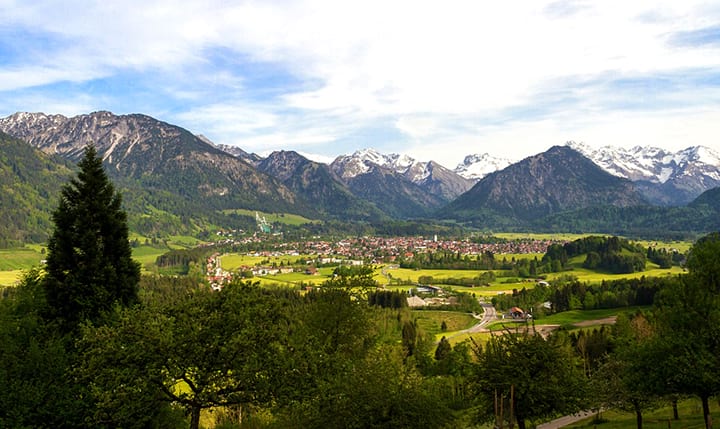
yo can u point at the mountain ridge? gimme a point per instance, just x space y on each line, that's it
559 179
663 177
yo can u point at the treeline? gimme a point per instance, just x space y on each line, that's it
388 299
609 254
180 259
570 294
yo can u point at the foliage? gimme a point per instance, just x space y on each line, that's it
89 262
198 350
623 380
688 341
541 377
610 254
388 299
567 293
38 388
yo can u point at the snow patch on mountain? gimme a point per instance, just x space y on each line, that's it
652 164
477 166
364 160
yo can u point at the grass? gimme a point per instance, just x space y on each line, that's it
14 262
585 275
9 278
233 261
431 321
19 259
284 218
479 338
553 236
690 411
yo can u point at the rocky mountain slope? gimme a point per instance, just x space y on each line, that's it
663 177
316 183
157 155
560 179
390 182
428 176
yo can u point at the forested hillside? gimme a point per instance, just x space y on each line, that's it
29 185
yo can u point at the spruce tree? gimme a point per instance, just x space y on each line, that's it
89 262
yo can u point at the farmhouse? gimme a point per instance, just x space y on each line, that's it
517 313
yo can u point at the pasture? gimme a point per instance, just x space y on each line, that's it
13 262
283 218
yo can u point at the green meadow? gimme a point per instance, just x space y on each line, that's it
283 218
689 411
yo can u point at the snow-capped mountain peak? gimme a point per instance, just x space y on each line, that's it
477 166
364 160
665 177
650 164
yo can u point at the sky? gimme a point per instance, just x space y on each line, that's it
436 80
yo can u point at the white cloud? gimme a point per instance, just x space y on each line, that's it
453 77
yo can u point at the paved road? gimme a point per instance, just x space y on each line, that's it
567 420
488 316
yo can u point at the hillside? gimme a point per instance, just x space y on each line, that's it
157 155
383 181
29 188
315 183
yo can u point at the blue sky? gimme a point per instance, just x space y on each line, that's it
435 80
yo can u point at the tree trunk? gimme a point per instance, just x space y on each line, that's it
638 417
195 417
521 422
676 415
706 410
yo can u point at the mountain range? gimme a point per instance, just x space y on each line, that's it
663 177
176 182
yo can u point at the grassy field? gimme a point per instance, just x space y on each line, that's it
233 261
9 278
689 410
431 321
19 259
569 319
589 276
534 236
284 218
13 262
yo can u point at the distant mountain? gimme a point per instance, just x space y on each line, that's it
316 183
663 177
30 184
375 177
560 179
251 158
429 176
477 166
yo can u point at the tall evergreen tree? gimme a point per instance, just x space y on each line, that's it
89 261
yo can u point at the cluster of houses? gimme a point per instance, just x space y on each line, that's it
388 249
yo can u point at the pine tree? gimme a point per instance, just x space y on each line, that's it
89 262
